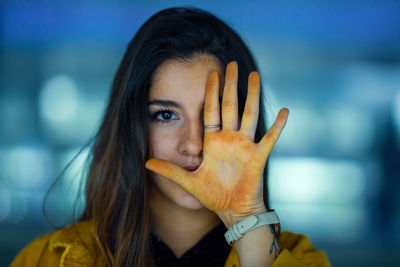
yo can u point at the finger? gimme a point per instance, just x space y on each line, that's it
229 99
172 172
268 141
211 104
251 108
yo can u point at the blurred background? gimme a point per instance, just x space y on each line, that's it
334 175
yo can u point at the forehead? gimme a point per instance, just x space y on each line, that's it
181 80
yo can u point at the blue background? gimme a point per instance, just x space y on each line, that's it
334 173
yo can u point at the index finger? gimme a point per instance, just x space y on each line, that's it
268 141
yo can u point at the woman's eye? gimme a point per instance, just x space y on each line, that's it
164 116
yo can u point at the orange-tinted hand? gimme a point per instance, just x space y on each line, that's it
229 179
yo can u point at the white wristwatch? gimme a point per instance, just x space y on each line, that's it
236 231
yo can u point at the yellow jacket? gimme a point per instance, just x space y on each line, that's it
76 246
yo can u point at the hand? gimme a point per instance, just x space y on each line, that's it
230 178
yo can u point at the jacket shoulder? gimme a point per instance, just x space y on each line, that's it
297 251
70 245
31 254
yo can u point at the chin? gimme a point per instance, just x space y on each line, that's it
175 194
188 201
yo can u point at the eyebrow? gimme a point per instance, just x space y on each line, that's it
166 103
169 103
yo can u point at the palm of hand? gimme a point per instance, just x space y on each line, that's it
229 176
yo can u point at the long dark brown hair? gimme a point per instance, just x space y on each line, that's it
117 187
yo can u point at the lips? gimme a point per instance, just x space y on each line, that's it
191 168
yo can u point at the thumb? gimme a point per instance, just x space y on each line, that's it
172 172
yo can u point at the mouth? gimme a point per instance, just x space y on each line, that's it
191 168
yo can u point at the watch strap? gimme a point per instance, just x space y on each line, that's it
236 231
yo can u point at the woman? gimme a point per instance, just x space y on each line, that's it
173 167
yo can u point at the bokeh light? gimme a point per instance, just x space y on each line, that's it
59 99
316 181
26 167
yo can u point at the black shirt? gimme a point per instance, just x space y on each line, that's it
211 250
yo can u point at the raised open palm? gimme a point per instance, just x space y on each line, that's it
229 179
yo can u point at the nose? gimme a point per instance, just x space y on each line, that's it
191 143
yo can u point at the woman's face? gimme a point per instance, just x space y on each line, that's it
176 101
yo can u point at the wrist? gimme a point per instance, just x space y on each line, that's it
252 248
264 231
